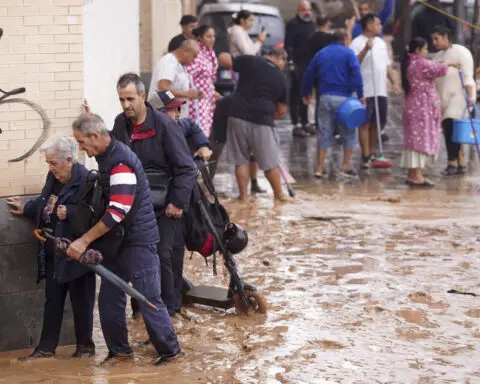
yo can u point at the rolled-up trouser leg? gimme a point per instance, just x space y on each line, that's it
111 308
166 227
142 263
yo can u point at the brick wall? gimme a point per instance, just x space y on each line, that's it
41 50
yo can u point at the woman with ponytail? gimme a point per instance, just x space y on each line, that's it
239 42
421 110
203 74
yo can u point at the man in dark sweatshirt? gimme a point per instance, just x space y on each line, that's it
297 43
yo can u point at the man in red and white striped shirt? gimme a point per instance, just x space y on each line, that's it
124 182
123 185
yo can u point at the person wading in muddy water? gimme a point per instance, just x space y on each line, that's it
259 100
337 71
452 94
125 186
368 47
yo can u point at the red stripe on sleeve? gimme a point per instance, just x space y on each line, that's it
121 168
123 199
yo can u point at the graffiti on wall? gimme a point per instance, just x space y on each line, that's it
6 98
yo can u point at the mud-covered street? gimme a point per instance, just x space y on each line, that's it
356 276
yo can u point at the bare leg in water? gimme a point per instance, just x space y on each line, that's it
275 179
242 174
273 176
254 188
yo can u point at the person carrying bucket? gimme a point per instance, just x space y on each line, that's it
452 93
372 52
337 70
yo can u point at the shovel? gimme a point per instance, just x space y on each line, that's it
90 260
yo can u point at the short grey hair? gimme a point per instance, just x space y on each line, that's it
88 123
62 145
131 78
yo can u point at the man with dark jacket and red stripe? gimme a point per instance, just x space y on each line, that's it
160 145
124 185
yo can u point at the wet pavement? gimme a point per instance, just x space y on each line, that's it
356 275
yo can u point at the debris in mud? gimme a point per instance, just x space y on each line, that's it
266 263
292 268
393 200
327 218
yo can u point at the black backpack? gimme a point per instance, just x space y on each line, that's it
90 209
199 236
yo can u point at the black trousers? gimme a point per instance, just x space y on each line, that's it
168 262
82 297
298 110
453 149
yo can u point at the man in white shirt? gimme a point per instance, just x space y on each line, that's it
366 46
169 74
452 96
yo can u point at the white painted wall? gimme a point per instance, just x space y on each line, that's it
110 48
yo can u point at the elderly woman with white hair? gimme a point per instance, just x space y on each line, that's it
55 209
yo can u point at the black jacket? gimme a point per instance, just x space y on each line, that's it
297 41
161 144
65 270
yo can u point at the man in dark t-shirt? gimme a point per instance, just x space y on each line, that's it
259 100
322 37
188 24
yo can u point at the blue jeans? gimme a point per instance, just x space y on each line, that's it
140 266
326 123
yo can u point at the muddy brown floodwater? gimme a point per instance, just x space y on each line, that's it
361 299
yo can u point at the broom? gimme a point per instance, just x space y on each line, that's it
380 161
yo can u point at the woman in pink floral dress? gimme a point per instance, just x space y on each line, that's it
421 111
203 74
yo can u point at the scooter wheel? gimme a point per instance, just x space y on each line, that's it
257 300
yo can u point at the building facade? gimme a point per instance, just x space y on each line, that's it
63 51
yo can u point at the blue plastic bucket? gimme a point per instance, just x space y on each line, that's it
351 113
462 128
